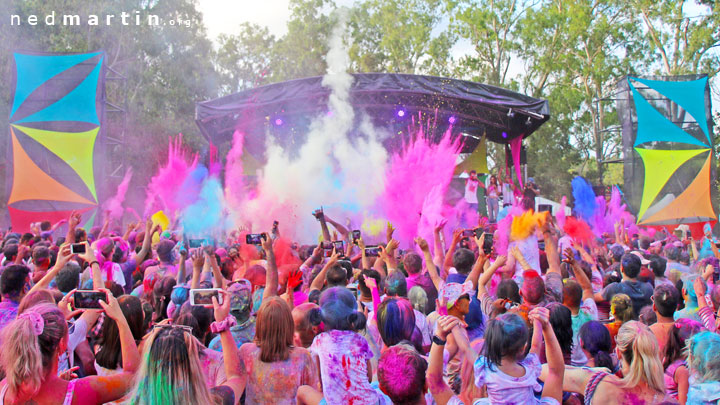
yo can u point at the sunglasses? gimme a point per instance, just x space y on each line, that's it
167 326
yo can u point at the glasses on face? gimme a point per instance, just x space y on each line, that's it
167 326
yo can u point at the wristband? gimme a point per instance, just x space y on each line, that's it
94 262
438 341
217 327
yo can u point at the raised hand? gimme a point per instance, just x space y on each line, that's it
422 243
370 282
294 279
445 325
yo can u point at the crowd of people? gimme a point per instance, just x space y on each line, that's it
620 319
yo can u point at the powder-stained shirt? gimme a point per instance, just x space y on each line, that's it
8 312
213 367
241 334
343 367
277 383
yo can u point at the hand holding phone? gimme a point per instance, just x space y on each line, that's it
372 251
89 299
203 296
77 248
355 235
254 238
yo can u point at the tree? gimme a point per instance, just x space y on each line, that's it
380 44
245 60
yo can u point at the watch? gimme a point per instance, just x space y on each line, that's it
438 341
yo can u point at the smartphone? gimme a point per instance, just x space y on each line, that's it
77 248
89 299
468 233
488 243
372 251
254 238
195 243
275 226
339 246
356 235
327 248
678 233
203 296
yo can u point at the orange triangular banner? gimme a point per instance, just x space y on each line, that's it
693 202
31 183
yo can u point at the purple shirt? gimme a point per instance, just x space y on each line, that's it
8 312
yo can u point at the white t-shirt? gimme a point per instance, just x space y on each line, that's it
471 191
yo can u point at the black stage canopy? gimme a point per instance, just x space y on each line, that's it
390 100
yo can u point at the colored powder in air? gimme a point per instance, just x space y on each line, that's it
164 186
325 170
234 171
114 205
411 177
524 225
578 229
502 236
560 214
373 226
584 197
205 217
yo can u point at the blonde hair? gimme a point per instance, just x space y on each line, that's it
26 356
622 308
639 348
418 298
170 372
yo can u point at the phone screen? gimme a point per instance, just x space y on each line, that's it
89 299
253 239
339 246
77 248
195 243
203 296
372 251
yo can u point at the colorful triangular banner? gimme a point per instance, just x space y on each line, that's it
690 95
78 105
655 127
659 167
74 148
31 183
693 202
37 69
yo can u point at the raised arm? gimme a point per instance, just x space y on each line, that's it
580 275
439 249
515 252
320 215
73 222
340 228
319 280
372 285
271 274
488 274
110 388
432 270
198 261
218 278
553 387
63 257
440 391
236 379
457 235
551 248
479 263
147 240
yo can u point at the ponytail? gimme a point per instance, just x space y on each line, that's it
603 359
595 338
29 344
639 348
357 321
